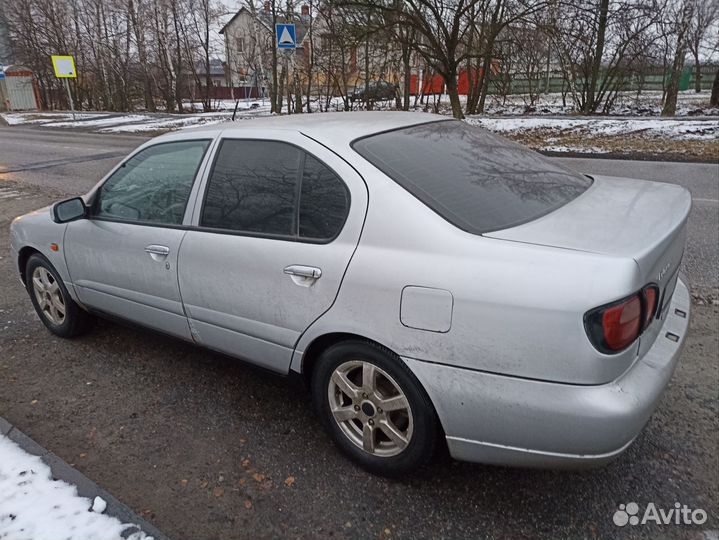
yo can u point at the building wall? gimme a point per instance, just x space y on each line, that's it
246 44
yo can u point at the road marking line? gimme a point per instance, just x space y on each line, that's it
710 201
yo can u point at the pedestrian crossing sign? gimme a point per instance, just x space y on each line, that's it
286 36
64 67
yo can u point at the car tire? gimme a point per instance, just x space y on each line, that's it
49 296
353 413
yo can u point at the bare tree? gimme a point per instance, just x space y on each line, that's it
149 53
680 51
705 17
137 11
595 44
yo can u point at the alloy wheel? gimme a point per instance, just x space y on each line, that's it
48 295
370 408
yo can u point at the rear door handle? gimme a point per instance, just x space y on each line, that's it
303 271
157 252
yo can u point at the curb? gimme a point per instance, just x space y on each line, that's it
85 487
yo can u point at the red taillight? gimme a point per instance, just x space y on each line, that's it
651 297
613 327
622 323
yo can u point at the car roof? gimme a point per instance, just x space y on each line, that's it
327 128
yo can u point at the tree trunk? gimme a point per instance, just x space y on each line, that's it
697 74
589 104
310 62
475 102
207 102
142 56
367 100
484 88
453 92
670 104
279 90
298 96
714 99
407 78
176 77
275 92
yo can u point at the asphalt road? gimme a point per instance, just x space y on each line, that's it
206 447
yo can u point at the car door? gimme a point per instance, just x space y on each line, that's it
122 259
280 219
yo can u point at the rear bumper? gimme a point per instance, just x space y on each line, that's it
503 420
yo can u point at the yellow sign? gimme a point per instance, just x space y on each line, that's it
64 67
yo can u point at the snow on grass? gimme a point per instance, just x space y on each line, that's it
103 121
14 119
34 506
166 124
573 149
245 109
648 103
229 105
678 130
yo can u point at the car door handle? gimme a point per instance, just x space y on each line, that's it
154 249
303 271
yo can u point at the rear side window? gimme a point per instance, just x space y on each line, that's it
253 188
477 181
324 201
274 188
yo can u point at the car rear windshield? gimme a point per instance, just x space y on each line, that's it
478 181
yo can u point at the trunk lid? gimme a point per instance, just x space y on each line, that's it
620 217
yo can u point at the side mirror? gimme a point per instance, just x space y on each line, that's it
69 210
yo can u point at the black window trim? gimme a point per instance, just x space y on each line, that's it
98 191
432 208
270 236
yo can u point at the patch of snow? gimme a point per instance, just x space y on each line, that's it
205 123
14 119
34 506
184 121
166 123
574 149
103 121
648 103
672 129
525 123
99 505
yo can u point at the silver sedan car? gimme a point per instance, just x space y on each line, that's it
433 283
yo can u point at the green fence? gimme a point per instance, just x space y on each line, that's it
653 82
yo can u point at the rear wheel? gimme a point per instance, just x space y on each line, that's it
53 304
374 408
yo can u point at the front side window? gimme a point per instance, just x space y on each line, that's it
153 186
276 189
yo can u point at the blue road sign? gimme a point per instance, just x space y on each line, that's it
2 72
286 36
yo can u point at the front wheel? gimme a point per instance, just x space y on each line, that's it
374 408
53 304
